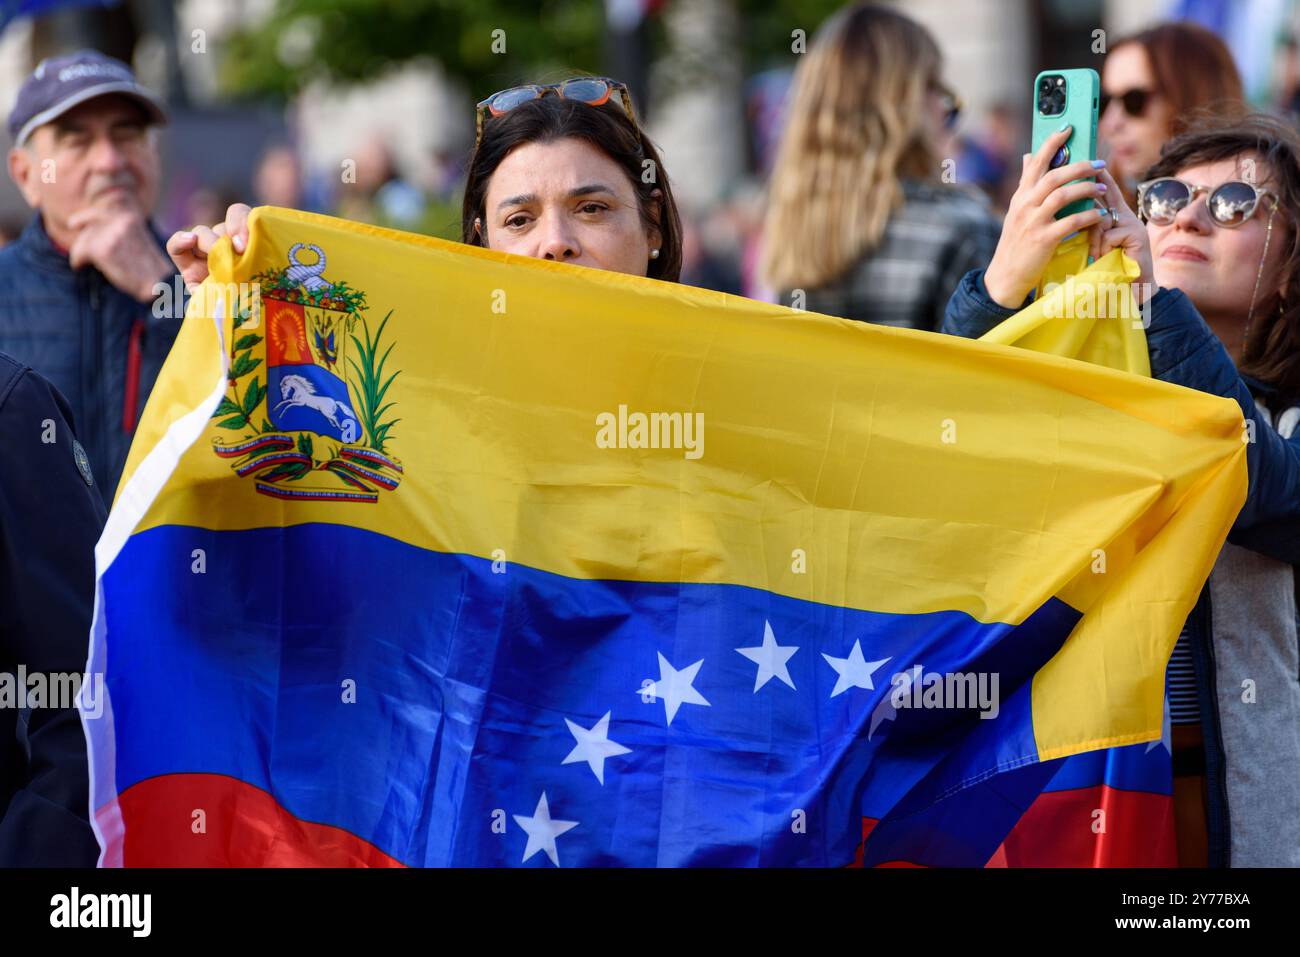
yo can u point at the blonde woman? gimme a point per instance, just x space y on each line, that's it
858 218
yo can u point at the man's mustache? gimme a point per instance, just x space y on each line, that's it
99 187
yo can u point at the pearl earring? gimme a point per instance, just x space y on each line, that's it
654 254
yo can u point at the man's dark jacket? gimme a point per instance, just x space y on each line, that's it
100 347
50 518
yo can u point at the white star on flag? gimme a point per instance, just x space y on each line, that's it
1163 740
854 671
675 687
770 658
594 746
542 831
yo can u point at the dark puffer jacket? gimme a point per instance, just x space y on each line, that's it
50 518
100 347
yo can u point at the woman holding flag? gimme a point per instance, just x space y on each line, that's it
1222 199
564 173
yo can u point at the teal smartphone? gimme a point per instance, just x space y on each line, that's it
1067 96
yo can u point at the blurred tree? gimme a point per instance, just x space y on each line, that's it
487 43
352 40
770 27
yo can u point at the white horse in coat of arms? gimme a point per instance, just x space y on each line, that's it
296 390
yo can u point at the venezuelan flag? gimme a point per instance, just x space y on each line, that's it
547 566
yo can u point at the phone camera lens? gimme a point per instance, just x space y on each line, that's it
1051 95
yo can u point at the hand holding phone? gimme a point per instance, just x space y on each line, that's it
1034 225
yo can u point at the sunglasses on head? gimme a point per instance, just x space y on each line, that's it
1230 204
1134 101
592 90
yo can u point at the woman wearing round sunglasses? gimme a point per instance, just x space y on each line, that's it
1148 93
1221 241
560 172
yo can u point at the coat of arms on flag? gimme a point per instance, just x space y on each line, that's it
319 427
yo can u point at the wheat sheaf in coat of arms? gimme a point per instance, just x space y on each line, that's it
306 389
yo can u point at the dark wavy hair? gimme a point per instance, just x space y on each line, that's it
605 127
1272 349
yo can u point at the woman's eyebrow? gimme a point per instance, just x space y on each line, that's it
591 188
524 199
521 200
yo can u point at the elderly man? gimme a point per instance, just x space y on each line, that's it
76 289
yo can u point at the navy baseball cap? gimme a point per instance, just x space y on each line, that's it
60 83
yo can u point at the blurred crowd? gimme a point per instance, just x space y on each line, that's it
722 239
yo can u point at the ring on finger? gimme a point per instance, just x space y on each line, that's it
1114 216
